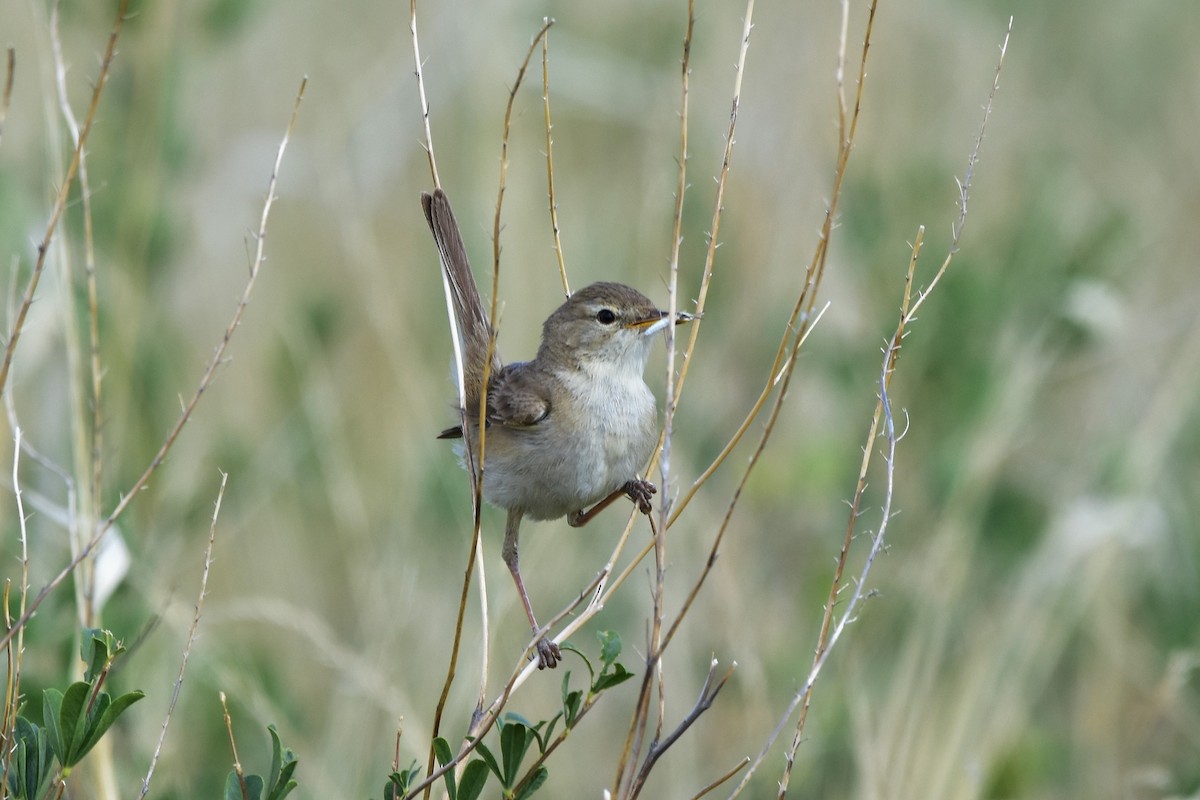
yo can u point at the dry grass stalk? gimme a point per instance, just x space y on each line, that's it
191 639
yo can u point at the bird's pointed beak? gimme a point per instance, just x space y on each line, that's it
659 320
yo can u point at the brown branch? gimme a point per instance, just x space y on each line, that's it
606 590
908 312
734 771
708 693
237 764
187 649
508 110
218 358
60 201
87 434
428 143
486 718
14 651
475 459
799 325
558 251
828 636
719 203
653 667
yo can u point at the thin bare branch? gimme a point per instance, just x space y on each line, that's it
476 458
964 186
503 183
741 765
708 693
485 718
218 358
237 763
558 251
15 650
86 402
719 203
60 201
187 649
653 668
828 636
412 25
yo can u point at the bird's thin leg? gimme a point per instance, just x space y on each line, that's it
638 490
548 654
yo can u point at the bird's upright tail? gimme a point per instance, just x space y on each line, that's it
474 328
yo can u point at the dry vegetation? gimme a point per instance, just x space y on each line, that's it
1034 633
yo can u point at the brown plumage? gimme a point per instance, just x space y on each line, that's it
569 429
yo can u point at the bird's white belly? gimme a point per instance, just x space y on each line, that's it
579 454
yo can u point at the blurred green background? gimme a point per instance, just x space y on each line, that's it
1036 631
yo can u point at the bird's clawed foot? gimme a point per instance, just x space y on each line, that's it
548 654
641 492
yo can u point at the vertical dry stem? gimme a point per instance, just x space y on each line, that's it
217 359
558 251
412 26
60 201
86 427
475 458
187 649
828 636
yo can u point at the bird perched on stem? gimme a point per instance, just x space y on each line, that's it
568 432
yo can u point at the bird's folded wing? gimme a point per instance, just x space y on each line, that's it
517 397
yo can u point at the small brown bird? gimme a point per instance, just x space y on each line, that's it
569 429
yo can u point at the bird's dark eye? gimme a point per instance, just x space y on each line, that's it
606 316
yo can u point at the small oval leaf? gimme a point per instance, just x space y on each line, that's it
474 778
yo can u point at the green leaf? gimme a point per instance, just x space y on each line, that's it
610 646
104 713
514 742
571 707
52 700
233 788
70 721
513 716
535 783
283 764
73 728
400 781
441 751
587 663
473 780
544 739
396 786
95 657
31 761
97 649
276 756
609 679
490 760
233 791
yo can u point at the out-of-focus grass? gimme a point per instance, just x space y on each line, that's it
1035 634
